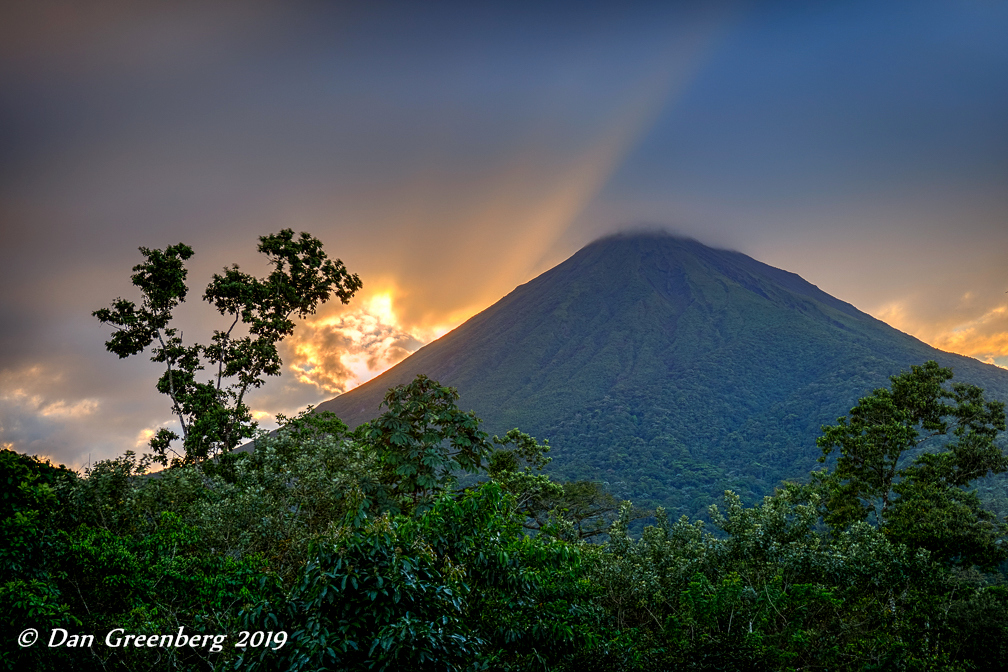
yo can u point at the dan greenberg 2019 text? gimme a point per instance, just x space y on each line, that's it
118 638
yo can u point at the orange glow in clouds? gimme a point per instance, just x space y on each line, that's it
339 352
984 337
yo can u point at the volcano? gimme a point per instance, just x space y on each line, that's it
667 369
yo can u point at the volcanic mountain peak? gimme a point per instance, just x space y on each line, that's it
667 368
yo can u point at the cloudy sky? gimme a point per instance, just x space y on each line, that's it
448 153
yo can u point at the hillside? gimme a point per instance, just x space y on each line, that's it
668 369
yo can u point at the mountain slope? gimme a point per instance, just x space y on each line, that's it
666 368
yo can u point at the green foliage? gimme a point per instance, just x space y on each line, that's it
71 561
921 503
423 438
516 466
457 587
29 505
375 596
298 485
185 547
775 592
525 454
32 589
289 494
304 534
947 521
213 414
577 510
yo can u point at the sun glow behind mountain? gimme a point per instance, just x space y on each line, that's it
983 336
339 351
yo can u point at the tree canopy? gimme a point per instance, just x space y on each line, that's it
316 543
918 497
213 414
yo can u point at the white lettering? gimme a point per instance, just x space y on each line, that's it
118 641
52 637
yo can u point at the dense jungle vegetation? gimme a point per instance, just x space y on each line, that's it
363 550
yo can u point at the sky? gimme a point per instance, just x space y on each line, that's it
447 153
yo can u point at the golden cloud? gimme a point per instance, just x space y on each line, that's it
338 353
985 337
30 388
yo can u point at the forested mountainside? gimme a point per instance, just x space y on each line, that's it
668 369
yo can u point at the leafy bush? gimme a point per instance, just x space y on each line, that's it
457 588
